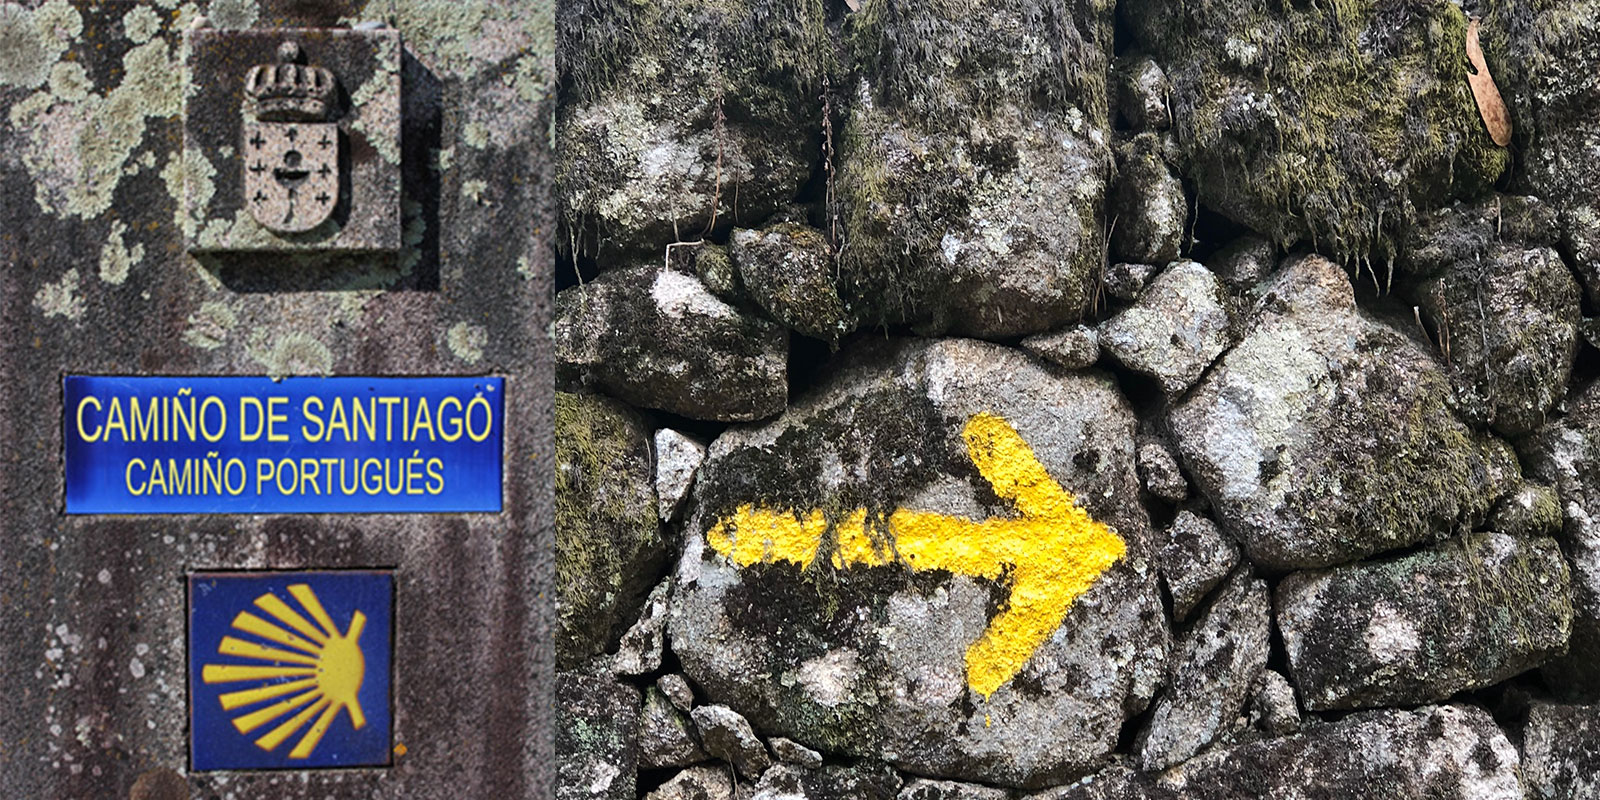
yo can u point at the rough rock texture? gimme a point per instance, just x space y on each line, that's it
1433 752
1325 435
1194 559
696 783
1530 510
728 736
789 751
1561 752
658 339
597 738
677 690
1142 91
1213 669
1545 59
788 269
678 458
1126 281
1272 706
1073 348
1566 454
923 789
666 736
679 115
1288 118
608 539
973 198
1458 615
1178 326
1148 205
870 660
640 649
1158 468
1508 315
1244 262
863 781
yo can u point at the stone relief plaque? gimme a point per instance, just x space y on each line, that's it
292 140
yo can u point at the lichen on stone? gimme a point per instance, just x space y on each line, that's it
116 258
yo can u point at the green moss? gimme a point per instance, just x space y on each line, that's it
949 57
606 532
1336 122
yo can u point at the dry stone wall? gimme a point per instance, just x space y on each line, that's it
1077 399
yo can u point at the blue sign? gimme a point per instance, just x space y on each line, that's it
141 445
289 670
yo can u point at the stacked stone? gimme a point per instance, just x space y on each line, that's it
1269 323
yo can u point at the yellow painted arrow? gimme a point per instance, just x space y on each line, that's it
1053 549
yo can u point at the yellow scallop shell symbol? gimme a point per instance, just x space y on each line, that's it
321 674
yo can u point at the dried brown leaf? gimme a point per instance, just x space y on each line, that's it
1490 106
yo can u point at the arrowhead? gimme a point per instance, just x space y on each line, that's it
1054 550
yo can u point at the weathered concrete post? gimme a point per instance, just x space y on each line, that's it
245 249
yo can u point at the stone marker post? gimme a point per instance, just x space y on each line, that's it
245 248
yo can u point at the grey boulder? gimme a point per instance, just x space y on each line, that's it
657 338
1148 205
1213 669
1510 320
1077 347
1177 327
1433 752
858 649
788 269
696 783
1459 615
728 736
1566 454
1194 559
666 736
1324 435
677 117
597 738
1561 751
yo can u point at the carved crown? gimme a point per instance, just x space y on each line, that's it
290 91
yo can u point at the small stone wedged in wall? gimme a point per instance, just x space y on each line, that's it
1214 666
973 199
1126 281
1141 92
864 780
1177 327
609 547
1273 710
788 269
696 783
1149 209
597 738
1531 510
1462 614
871 661
1077 347
667 738
657 338
1432 752
1565 453
1194 559
1244 262
640 650
678 457
1158 468
1325 436
1333 160
676 116
727 735
1561 751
